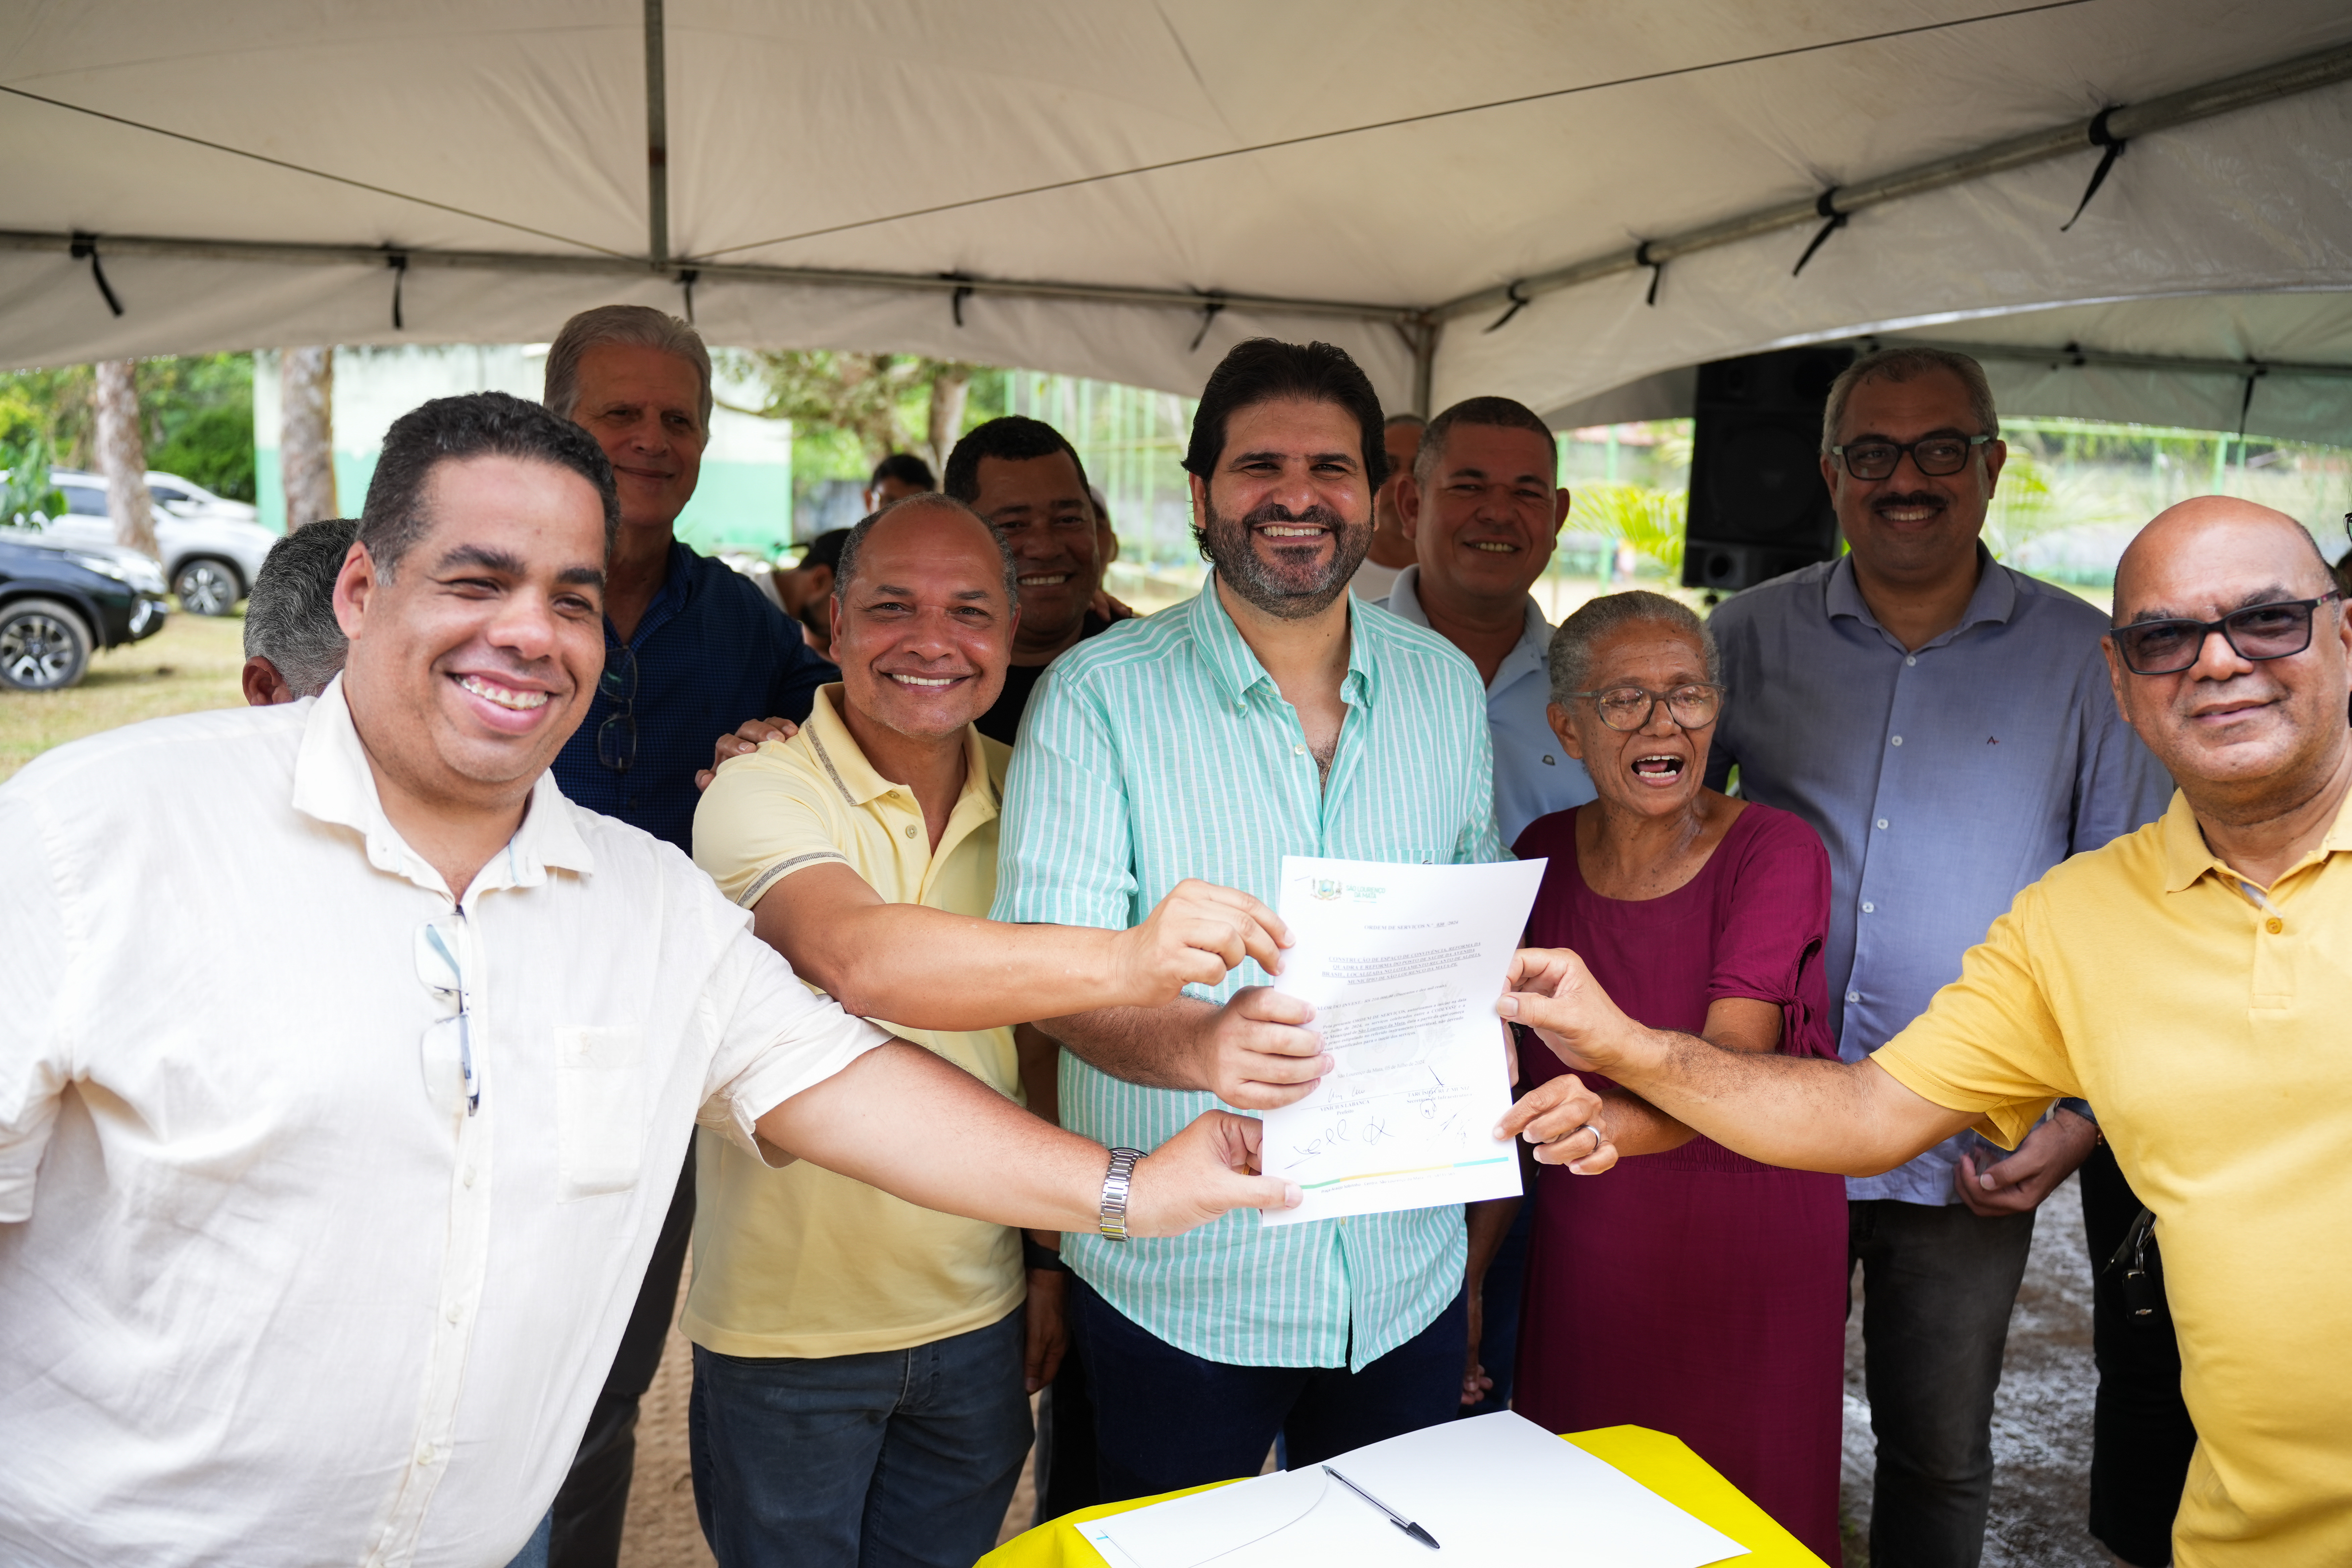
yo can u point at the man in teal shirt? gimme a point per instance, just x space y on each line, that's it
1264 718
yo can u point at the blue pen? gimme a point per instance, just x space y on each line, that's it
1394 1517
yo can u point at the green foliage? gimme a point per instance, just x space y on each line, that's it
882 402
25 487
198 411
1650 520
53 404
213 446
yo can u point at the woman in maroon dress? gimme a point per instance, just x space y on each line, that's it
1691 1290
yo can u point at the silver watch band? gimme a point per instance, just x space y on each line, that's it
1116 1182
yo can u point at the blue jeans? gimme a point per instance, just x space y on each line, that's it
1938 1283
1165 1418
534 1550
889 1459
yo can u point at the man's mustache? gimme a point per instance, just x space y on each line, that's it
1318 516
1923 498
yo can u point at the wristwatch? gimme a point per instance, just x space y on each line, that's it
1116 1182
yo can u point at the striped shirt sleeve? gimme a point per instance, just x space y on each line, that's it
1064 856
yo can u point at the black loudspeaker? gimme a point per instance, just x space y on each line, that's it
1757 506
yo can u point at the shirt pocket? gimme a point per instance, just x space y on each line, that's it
600 1103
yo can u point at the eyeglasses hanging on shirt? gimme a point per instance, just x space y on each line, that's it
617 737
452 1081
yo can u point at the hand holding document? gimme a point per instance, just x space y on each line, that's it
1403 965
1493 1489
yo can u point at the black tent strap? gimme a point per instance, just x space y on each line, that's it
398 262
1518 303
2264 85
685 280
1208 318
1831 221
87 245
1657 266
2100 136
955 301
2246 403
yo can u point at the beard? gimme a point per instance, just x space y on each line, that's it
1285 581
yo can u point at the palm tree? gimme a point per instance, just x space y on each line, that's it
306 439
123 456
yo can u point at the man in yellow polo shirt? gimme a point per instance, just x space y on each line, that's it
859 1389
2192 980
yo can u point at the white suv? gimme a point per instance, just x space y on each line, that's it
211 547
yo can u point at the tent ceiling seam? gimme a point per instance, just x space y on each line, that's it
300 254
2074 356
2106 130
1313 136
300 169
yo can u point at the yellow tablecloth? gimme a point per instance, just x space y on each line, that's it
1666 1465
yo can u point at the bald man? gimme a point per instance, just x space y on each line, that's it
2190 980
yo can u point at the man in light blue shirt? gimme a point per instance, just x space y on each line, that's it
1946 725
1482 509
1271 715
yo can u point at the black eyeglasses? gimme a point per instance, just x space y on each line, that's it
2257 632
617 737
1631 708
1937 455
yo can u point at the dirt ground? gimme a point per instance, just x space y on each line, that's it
2041 1420
2042 1429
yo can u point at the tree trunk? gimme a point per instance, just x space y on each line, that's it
306 434
122 457
948 389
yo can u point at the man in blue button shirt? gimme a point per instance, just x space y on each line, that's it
692 649
1482 507
1946 725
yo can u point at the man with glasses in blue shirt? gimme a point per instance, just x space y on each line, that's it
1946 725
692 648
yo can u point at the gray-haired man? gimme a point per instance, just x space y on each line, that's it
292 644
692 648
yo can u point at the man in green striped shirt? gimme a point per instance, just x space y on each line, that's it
1272 715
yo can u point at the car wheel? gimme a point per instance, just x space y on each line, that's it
43 646
207 588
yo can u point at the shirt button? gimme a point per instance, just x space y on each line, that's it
1868 908
424 1453
1854 996
1547 761
911 831
1882 824
468 1176
1896 741
1298 750
456 1311
2275 925
1909 659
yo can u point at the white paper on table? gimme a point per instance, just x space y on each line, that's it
1491 1489
1403 965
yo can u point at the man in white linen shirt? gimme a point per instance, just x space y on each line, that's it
339 1049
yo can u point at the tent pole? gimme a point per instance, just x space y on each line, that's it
657 139
1425 334
2245 90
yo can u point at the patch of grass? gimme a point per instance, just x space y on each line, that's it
193 663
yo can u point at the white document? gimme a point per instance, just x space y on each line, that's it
1403 965
1491 1489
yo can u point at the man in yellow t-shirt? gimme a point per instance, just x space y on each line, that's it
2191 980
862 1364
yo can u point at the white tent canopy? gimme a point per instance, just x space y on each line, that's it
1121 189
